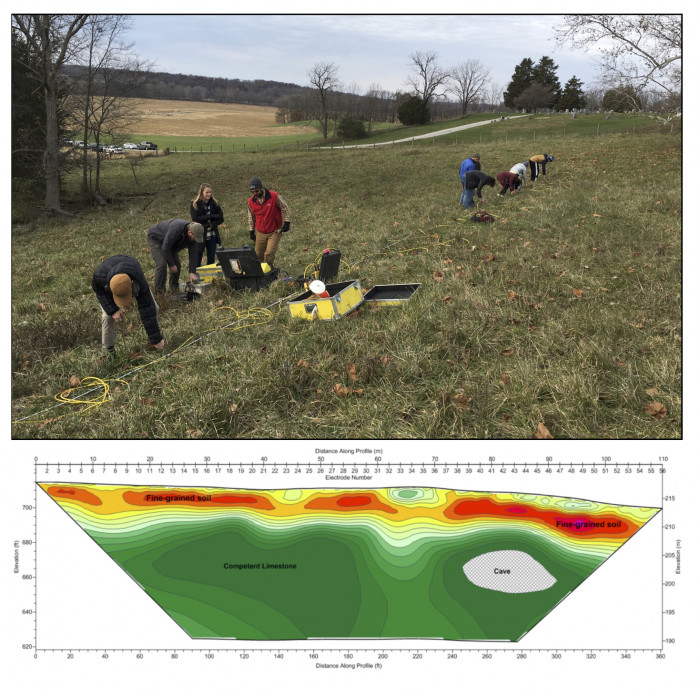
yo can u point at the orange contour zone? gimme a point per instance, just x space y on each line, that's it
458 510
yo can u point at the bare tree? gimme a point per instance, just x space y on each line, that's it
428 77
53 39
635 50
534 97
373 106
324 78
494 95
111 74
468 81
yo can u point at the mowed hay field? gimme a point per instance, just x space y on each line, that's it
208 119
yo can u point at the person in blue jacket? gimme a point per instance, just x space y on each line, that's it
471 164
116 282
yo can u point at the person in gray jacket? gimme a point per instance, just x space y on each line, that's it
165 241
116 282
520 169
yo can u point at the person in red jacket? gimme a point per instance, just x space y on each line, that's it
268 218
508 180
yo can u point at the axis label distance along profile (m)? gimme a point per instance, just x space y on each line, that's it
190 565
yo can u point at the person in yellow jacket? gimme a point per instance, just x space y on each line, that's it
538 162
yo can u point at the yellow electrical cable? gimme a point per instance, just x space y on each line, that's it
103 397
247 318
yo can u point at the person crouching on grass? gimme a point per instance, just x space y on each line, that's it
268 218
116 281
537 163
165 240
508 180
474 182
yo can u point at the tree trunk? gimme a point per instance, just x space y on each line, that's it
52 201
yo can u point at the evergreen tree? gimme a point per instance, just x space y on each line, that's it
521 80
623 98
545 73
413 111
572 96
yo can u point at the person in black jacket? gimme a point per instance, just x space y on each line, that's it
165 240
205 210
116 282
474 182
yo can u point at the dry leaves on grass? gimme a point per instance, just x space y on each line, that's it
656 410
303 364
438 276
74 381
352 371
542 433
343 391
577 292
462 402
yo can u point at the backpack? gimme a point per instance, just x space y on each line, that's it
482 217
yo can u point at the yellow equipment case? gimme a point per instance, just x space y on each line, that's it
344 297
210 272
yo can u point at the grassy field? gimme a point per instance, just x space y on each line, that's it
303 135
560 319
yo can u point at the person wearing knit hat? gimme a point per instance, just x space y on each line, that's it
538 162
116 282
268 218
471 164
165 241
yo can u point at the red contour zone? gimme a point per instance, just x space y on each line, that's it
365 502
611 527
74 494
183 497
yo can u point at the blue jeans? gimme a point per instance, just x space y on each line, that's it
210 245
468 198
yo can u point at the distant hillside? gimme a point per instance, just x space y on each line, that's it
206 89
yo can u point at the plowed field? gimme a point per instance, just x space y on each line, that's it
176 118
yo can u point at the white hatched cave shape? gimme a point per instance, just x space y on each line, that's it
508 571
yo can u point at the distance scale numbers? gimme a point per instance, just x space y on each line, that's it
358 563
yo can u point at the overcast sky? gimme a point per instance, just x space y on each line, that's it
366 48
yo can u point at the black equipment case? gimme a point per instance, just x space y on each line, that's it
242 268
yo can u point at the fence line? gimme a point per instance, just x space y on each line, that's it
507 136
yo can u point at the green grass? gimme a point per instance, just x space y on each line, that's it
529 129
565 311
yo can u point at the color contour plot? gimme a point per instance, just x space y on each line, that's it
328 563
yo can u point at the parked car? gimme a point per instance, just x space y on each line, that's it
79 143
115 149
130 146
95 146
147 145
